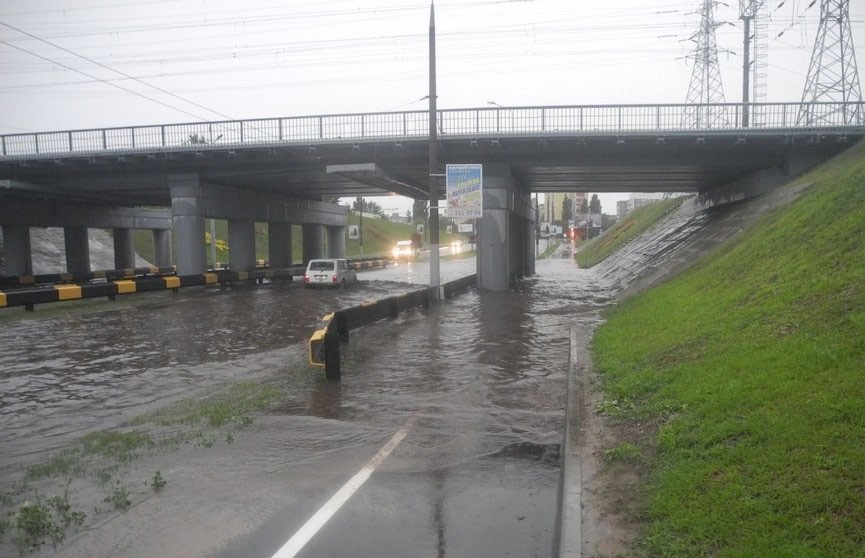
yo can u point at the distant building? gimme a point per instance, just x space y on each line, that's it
552 205
636 201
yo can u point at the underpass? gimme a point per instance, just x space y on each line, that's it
479 379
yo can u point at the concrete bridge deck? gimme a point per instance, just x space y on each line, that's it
597 148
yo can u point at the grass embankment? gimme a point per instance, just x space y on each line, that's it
379 237
638 221
749 370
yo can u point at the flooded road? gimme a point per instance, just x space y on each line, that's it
480 379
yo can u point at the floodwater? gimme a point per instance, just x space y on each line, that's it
481 378
477 381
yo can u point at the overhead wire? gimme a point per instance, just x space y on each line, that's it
124 74
95 78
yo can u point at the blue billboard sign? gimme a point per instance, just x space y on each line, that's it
465 191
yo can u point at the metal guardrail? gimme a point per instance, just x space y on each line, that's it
7 281
493 121
30 296
324 344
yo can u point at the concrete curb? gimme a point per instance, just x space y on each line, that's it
569 529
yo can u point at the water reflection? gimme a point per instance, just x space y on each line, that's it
488 362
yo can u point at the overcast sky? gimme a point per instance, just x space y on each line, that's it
72 64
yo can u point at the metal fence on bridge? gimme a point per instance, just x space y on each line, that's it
474 122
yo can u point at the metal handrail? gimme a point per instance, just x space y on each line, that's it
473 122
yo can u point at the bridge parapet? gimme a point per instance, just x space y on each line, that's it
414 125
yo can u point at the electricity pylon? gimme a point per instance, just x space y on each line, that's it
832 73
749 11
705 89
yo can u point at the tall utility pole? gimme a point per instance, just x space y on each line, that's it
832 73
748 10
705 87
434 279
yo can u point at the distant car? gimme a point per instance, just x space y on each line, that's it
404 250
328 273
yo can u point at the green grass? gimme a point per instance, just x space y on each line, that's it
638 221
231 406
751 367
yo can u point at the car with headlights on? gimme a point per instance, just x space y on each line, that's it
404 250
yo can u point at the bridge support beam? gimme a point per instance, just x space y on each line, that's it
192 202
241 244
503 232
77 249
162 247
187 216
16 244
313 242
124 249
335 242
279 245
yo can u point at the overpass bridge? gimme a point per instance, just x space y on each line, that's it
279 170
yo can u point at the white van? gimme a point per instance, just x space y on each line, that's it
328 273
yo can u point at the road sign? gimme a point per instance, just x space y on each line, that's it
465 191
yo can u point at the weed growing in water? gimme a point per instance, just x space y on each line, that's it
64 464
158 482
119 446
119 497
36 522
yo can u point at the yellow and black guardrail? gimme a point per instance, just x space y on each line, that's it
29 290
324 345
108 275
29 297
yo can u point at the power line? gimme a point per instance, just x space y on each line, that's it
101 65
136 93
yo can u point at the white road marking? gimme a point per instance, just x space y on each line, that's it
296 543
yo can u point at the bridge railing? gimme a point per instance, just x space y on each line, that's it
486 121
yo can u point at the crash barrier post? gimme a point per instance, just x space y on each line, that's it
359 264
123 284
325 342
11 281
568 536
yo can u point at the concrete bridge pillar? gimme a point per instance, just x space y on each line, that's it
124 249
505 250
494 231
187 215
335 242
77 249
313 242
162 247
531 242
241 244
279 245
16 242
517 248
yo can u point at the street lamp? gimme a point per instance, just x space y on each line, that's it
498 114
